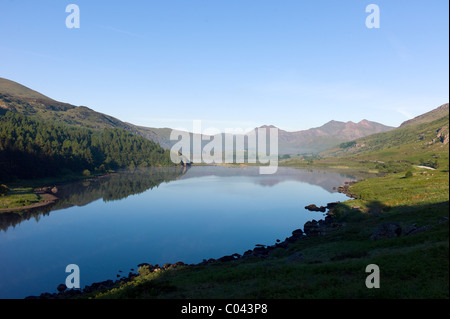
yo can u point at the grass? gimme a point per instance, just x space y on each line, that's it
19 197
332 266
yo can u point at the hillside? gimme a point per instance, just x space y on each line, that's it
32 148
430 116
12 88
423 140
397 220
17 98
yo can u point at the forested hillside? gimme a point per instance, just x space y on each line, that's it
33 148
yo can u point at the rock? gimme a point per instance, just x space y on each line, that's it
410 229
314 208
386 230
332 205
297 233
311 228
178 264
283 244
413 229
61 287
226 258
96 286
54 190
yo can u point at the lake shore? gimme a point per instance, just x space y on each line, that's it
311 229
393 231
46 199
45 195
327 258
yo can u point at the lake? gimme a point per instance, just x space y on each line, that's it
157 216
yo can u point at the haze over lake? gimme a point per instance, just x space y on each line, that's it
158 216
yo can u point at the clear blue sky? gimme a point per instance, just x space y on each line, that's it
232 63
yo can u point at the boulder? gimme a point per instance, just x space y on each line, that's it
386 230
314 208
297 233
61 287
178 264
413 229
227 258
311 228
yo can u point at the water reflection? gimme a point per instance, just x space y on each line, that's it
125 183
328 180
110 187
176 214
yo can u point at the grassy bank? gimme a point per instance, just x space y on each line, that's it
20 193
413 265
19 197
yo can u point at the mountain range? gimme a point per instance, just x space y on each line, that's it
420 139
20 99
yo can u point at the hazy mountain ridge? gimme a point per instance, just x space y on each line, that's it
20 99
328 135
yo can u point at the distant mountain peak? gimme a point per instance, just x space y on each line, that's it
305 141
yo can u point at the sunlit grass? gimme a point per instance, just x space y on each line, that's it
19 197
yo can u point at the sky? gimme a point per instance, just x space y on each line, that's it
232 63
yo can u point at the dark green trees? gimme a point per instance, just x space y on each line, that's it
31 148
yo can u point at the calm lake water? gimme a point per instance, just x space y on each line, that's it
158 216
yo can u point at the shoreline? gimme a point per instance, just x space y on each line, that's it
340 219
311 228
47 199
47 194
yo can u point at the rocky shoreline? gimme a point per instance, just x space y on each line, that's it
310 229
